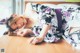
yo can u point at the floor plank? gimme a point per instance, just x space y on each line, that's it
13 44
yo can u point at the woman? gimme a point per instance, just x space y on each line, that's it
45 29
18 24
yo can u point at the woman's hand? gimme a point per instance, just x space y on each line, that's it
43 33
35 40
24 32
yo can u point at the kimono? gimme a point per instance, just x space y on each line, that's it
72 25
48 16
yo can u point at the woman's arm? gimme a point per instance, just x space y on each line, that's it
24 32
44 30
42 34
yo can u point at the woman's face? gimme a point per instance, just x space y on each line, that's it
18 24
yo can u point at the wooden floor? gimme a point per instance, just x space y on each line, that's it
13 44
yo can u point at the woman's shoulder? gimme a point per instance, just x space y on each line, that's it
30 22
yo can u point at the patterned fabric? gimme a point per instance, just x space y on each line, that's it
47 16
74 37
72 17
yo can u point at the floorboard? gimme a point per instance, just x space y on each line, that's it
14 44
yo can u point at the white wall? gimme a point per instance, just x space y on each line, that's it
5 11
5 8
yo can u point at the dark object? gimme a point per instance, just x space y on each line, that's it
2 50
3 21
78 8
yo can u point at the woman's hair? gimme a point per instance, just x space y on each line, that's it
12 20
7 23
10 31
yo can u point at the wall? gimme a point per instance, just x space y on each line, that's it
5 12
5 8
